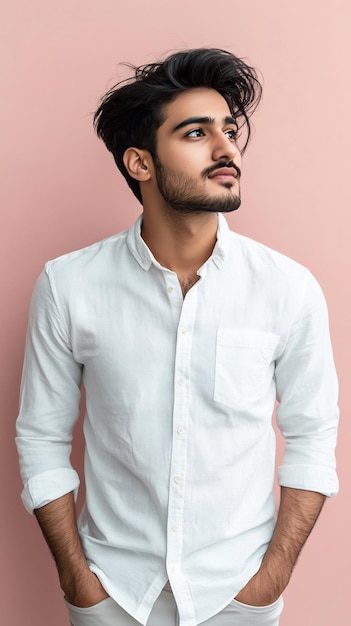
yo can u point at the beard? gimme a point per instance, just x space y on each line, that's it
182 194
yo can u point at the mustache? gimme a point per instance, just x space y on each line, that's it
219 165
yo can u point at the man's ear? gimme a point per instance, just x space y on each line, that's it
138 164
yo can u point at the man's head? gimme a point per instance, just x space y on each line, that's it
131 114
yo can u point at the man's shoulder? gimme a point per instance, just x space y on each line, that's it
91 254
264 258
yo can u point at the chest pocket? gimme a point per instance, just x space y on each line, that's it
244 365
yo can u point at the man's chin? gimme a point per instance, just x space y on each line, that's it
229 208
224 205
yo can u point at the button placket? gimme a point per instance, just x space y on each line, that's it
180 444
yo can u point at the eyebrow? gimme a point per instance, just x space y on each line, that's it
203 120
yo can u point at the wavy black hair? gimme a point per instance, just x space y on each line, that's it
131 112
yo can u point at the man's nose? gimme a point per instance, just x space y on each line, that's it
224 148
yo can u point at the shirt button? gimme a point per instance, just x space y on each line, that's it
180 430
170 289
144 260
181 381
184 331
177 479
174 528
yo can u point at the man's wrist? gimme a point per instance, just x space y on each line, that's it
273 581
83 590
265 587
73 576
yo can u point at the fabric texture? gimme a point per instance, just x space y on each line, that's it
180 448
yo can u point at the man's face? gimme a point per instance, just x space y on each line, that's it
198 162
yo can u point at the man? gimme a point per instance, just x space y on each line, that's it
184 335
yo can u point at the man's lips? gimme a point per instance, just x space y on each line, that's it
224 172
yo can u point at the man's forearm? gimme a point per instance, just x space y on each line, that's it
59 526
298 513
58 523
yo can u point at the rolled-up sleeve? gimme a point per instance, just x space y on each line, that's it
307 391
49 405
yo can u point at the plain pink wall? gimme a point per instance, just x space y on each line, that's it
61 191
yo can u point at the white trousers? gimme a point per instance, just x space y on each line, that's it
164 613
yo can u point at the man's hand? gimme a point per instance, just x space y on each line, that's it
84 592
261 590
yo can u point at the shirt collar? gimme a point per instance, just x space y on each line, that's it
222 243
138 247
145 258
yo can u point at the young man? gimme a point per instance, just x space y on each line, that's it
184 335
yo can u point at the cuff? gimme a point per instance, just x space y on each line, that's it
49 486
312 478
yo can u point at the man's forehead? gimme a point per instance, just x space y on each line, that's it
196 103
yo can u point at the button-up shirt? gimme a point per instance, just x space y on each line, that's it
180 449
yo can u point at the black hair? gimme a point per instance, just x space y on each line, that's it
131 112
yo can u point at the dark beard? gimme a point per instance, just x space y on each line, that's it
177 191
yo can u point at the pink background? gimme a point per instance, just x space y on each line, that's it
62 191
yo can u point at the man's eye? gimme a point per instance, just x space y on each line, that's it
231 133
197 132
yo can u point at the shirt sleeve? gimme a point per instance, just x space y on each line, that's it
307 391
49 402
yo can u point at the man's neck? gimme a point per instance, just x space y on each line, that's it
182 243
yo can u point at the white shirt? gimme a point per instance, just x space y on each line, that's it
180 450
